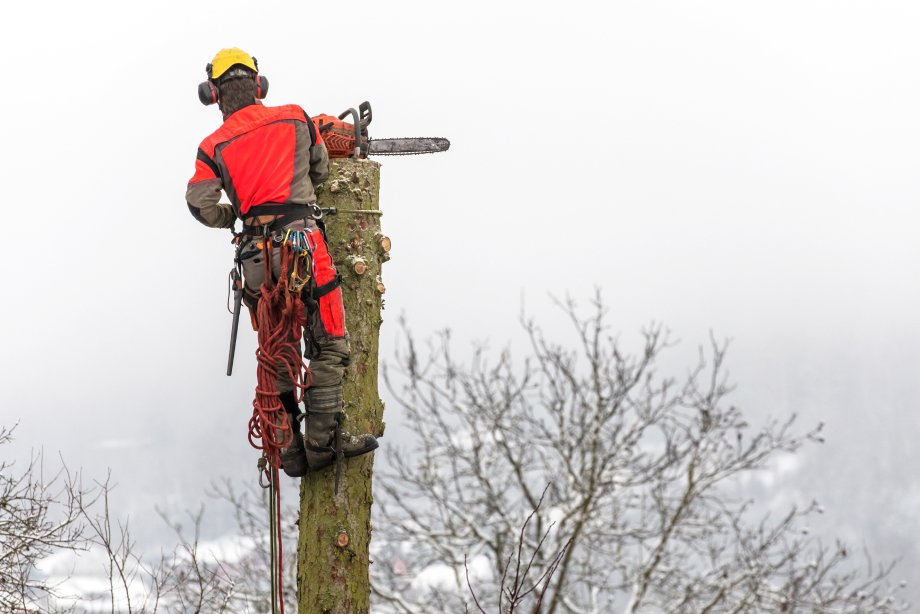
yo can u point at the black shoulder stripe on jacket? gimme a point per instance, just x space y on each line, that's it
207 160
311 128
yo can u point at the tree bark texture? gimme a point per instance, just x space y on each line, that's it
333 550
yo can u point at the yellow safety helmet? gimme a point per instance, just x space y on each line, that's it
228 58
221 65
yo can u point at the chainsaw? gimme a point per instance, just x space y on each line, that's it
350 140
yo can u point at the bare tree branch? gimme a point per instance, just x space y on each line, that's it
640 466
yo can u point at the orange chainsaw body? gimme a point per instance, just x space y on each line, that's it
339 137
345 139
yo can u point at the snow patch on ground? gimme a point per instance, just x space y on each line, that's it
230 549
448 578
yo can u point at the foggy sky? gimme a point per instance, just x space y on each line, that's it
728 166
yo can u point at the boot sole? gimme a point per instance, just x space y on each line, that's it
330 462
296 470
295 473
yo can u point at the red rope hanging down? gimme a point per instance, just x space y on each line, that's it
281 318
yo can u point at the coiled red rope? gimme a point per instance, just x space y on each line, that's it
281 318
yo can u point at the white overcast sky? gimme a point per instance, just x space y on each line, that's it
743 167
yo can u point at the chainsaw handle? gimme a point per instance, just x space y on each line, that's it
356 119
366 116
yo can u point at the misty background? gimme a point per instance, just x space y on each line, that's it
744 168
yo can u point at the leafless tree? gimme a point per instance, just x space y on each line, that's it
250 510
181 579
517 586
47 513
644 472
187 577
642 512
39 515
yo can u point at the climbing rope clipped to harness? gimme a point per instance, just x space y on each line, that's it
281 318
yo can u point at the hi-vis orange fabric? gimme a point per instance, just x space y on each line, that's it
331 309
263 158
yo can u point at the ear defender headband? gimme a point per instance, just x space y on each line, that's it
208 92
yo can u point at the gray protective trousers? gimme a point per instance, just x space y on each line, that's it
328 354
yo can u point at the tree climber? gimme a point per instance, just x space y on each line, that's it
268 160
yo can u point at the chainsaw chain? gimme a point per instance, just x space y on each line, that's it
404 153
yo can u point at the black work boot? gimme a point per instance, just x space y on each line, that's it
293 458
326 441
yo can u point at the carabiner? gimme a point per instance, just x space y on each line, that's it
262 465
300 271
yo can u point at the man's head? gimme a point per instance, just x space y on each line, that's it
233 81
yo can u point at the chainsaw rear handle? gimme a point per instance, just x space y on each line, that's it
366 116
360 120
356 119
346 138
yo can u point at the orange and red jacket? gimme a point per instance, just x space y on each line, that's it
267 159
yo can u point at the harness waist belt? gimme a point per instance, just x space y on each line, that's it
286 214
286 209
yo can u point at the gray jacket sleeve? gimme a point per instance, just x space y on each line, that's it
203 194
319 163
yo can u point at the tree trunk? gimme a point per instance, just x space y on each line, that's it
333 557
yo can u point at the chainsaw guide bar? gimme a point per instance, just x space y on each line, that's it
350 140
407 146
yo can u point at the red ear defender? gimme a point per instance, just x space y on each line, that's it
207 93
261 87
